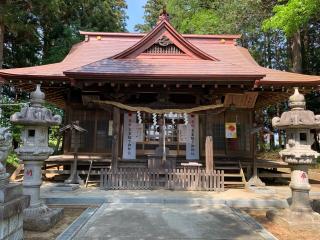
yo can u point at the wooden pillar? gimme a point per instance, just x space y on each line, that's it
254 181
254 155
116 137
209 154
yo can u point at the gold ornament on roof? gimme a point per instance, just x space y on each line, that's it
164 41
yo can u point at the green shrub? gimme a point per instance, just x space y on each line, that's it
13 159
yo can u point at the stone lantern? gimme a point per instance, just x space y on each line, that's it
34 149
298 154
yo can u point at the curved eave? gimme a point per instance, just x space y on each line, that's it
8 76
53 86
281 78
314 83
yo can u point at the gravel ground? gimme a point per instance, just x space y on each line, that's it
70 214
281 232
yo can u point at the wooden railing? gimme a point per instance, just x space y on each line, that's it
176 179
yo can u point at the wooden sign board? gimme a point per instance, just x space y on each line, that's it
231 130
86 99
238 100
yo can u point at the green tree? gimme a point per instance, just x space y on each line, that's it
61 20
300 21
19 41
152 10
36 32
227 17
2 4
293 15
8 106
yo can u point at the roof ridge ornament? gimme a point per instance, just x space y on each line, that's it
164 15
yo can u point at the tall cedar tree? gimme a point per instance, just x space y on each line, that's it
40 32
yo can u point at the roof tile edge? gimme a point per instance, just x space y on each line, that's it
126 34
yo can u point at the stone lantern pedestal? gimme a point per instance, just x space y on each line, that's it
33 151
298 154
12 200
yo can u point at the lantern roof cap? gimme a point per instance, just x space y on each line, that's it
36 114
298 116
37 96
297 100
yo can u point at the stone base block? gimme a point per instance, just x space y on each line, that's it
4 181
316 205
11 228
261 190
65 187
42 218
12 205
10 192
295 219
74 179
255 181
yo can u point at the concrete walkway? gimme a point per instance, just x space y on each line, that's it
139 221
270 197
163 214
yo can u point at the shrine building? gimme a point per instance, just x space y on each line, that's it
142 96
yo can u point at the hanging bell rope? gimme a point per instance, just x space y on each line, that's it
158 111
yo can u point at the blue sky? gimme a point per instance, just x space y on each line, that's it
135 13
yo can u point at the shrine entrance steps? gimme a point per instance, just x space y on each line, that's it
233 173
172 179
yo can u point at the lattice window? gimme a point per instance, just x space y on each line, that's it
164 46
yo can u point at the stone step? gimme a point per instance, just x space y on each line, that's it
227 168
233 183
232 175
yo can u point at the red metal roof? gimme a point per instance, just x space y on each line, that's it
164 68
218 56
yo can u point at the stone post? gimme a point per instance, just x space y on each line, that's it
33 151
300 188
298 154
12 201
